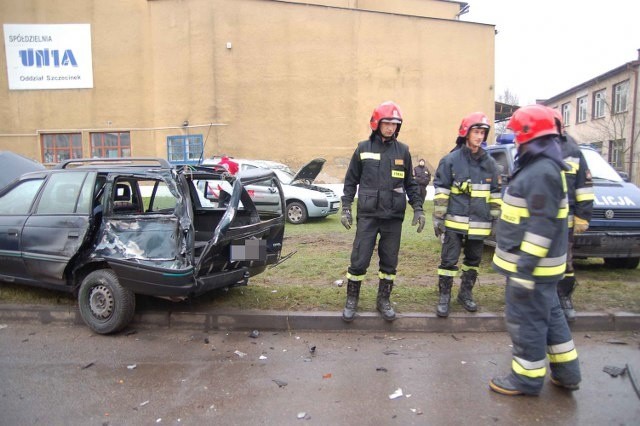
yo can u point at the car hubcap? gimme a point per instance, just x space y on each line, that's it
295 214
101 302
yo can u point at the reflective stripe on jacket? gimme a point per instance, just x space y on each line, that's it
579 184
531 236
382 174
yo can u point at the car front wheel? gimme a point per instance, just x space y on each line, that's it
105 306
296 212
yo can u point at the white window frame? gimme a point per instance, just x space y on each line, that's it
581 115
620 97
616 154
566 113
599 103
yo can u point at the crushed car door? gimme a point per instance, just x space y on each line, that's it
54 233
242 220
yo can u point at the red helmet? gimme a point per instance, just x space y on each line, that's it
386 111
557 116
477 119
531 122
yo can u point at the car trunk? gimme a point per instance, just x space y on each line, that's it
195 248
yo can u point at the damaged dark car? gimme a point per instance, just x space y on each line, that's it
107 230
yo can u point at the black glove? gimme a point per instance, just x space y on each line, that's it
438 226
418 219
346 218
520 289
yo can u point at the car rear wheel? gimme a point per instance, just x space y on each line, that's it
622 262
105 306
296 212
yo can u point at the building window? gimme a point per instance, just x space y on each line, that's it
620 94
599 99
110 145
616 154
597 146
58 147
582 109
184 149
566 113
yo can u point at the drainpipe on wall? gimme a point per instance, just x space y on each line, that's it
633 115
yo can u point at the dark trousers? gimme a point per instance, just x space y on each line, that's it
453 245
537 327
423 193
367 231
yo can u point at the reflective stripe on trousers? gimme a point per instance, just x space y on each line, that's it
537 324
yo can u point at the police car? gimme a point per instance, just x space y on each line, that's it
614 229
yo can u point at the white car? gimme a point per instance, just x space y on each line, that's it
303 199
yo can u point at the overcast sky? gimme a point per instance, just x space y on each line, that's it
544 47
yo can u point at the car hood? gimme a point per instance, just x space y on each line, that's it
13 165
310 171
615 195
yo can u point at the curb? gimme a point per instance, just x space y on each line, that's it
311 321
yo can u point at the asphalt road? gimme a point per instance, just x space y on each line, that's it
66 375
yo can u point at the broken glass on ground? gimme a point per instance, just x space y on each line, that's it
614 371
280 383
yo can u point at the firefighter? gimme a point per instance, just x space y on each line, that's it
531 249
580 194
467 198
381 166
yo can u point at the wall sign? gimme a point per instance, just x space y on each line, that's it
41 57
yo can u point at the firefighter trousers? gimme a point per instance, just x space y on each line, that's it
367 231
452 246
538 328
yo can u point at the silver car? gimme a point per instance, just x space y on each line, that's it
304 200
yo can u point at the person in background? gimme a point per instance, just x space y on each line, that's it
422 177
231 166
467 197
581 196
531 252
381 172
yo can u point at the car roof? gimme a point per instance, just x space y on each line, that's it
13 165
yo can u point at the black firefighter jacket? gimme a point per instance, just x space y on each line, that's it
579 184
383 171
531 236
467 192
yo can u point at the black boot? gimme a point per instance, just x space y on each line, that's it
566 286
505 386
353 294
383 304
465 296
444 285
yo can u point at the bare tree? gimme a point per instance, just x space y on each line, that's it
613 129
508 98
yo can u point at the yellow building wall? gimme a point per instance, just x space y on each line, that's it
427 8
299 81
